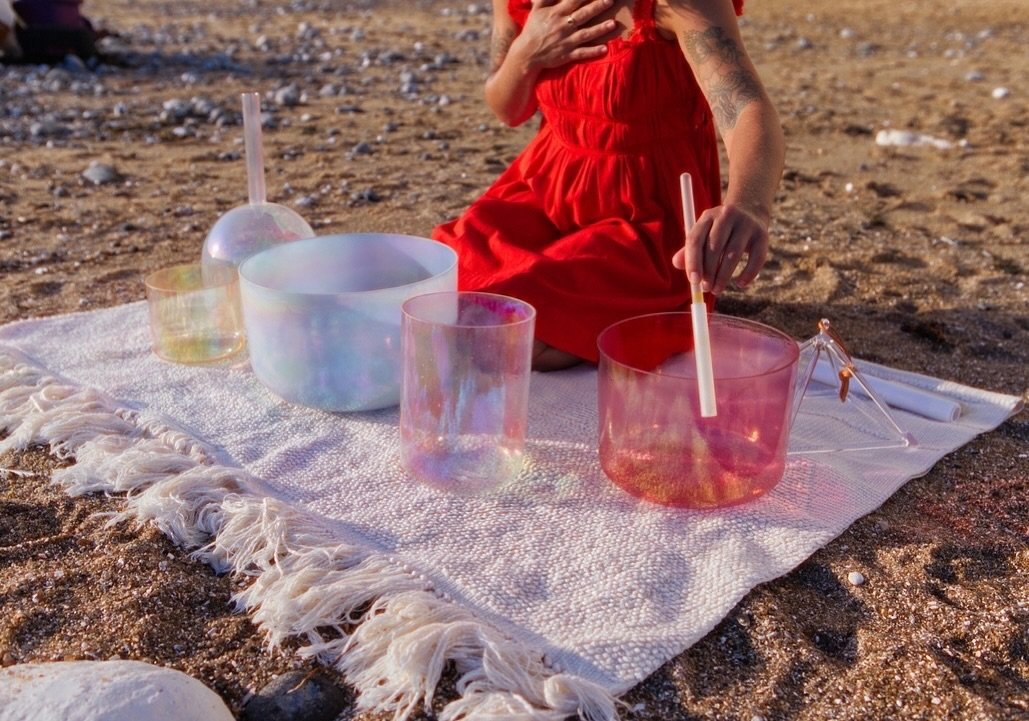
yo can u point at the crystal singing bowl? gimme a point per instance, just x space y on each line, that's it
249 229
322 315
654 442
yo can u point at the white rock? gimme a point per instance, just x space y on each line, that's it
907 138
1000 93
100 173
105 691
856 578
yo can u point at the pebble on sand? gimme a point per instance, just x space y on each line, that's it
298 696
856 578
100 173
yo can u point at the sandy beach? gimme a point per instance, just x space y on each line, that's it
901 217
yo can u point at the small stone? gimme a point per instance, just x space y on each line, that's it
175 109
856 578
47 129
1000 93
288 96
74 64
100 173
297 696
201 105
369 195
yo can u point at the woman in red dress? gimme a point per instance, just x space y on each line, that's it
587 224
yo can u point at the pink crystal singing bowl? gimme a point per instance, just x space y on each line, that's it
654 442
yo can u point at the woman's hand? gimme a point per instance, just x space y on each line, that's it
558 32
718 243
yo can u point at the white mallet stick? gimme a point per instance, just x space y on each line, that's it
698 312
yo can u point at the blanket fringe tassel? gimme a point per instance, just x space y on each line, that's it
376 620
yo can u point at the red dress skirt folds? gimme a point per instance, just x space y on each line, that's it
584 223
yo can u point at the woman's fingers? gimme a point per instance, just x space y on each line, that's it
723 237
586 52
694 252
757 254
732 253
719 229
580 12
563 31
583 39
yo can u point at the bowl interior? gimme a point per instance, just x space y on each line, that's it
662 343
348 263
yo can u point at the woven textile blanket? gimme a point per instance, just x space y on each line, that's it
552 597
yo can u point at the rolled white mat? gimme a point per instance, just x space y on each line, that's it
895 395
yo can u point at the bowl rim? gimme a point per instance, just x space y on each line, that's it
246 281
529 310
791 344
162 280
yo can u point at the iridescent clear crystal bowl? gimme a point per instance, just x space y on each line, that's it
322 315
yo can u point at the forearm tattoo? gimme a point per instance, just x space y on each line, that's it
499 44
733 92
711 44
719 61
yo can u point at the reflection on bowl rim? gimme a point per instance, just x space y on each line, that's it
793 355
423 297
343 293
151 280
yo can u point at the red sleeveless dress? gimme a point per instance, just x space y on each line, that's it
584 223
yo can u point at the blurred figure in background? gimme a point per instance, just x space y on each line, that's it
8 40
47 31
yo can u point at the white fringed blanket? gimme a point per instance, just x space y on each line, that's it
552 598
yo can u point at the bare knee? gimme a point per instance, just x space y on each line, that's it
547 358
